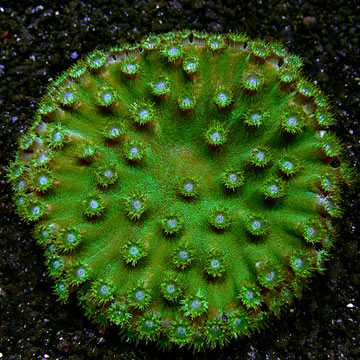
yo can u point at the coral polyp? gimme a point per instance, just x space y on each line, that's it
184 187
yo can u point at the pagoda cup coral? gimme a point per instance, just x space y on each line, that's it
184 188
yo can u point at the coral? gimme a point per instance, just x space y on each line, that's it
184 187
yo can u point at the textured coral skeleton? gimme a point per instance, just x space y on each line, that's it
184 187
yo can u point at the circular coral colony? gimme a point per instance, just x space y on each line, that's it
183 187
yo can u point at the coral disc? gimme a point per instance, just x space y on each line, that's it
183 188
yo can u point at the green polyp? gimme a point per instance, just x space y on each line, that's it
129 66
68 239
259 48
172 223
133 251
93 204
259 157
182 256
96 59
180 332
238 323
118 313
215 264
216 135
139 297
184 187
216 43
274 188
134 150
148 327
171 287
107 174
194 305
216 334
78 273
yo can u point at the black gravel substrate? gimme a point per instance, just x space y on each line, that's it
39 39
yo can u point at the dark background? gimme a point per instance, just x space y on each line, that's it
40 39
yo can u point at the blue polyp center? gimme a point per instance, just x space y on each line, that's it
190 65
298 263
260 156
93 204
70 237
108 174
97 61
249 295
56 264
237 322
68 96
253 81
328 148
149 324
273 189
170 288
216 137
130 67
215 264
214 44
104 290
52 248
43 180
232 178
292 121
134 151
256 224
143 114
87 151
269 276
328 205
186 102
134 250
220 219
222 97
136 204
57 136
196 304
140 295
173 51
288 165
80 273
255 118
107 97
215 328
181 330
286 77
183 255
42 158
114 131
45 234
160 85
326 182
172 223
62 288
35 210
189 186
311 231
21 184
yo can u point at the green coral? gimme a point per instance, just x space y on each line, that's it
184 187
